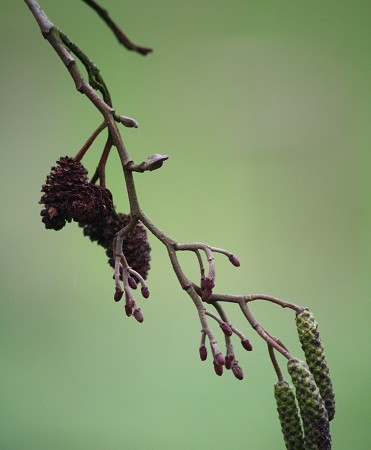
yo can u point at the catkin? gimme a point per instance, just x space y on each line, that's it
289 416
314 354
312 407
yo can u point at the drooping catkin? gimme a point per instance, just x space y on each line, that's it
314 354
312 407
289 416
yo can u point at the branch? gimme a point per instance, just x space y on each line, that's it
121 37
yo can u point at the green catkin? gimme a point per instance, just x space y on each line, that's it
289 416
314 354
312 407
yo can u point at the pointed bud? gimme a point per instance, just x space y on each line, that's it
234 261
219 358
138 315
246 345
145 291
118 295
132 283
227 330
203 352
218 369
237 371
128 122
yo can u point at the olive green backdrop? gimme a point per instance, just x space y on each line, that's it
263 107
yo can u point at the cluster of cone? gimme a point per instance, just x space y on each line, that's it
68 195
314 393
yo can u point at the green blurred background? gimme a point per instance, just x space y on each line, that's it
263 107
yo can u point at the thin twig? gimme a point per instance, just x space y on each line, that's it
121 37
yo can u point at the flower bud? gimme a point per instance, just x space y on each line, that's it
138 315
145 291
234 261
246 345
236 369
218 369
311 344
132 282
118 294
312 407
203 352
289 416
227 330
206 295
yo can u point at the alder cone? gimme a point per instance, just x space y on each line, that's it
135 245
68 195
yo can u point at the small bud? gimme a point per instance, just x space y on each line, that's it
207 284
234 261
118 294
138 315
145 291
132 283
219 358
128 310
131 302
206 295
218 369
246 345
203 352
227 330
128 122
155 161
237 371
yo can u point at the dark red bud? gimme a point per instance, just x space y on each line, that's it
246 345
227 330
234 261
218 369
132 283
138 315
118 295
219 358
203 352
145 291
237 371
128 310
206 295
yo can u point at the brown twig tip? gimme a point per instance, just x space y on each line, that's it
203 352
121 37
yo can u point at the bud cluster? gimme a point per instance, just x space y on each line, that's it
314 354
289 416
312 407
